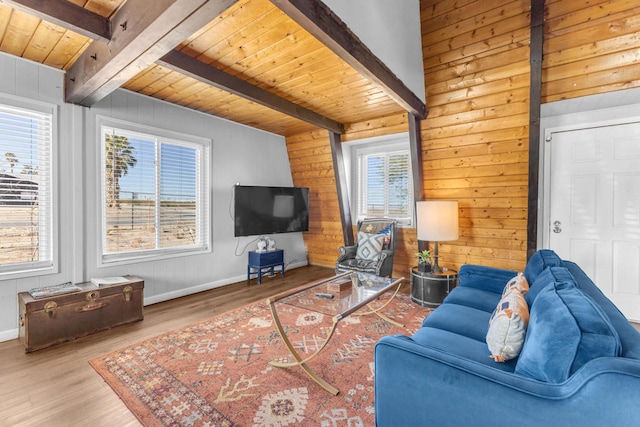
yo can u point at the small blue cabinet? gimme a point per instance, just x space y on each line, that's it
260 261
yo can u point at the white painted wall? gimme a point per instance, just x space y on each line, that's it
391 30
240 154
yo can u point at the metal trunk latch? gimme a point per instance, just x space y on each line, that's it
50 308
92 303
126 292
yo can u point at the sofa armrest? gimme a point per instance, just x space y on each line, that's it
485 278
423 385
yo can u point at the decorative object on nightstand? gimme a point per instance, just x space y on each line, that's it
437 222
424 261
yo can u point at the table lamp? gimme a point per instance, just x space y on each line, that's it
437 222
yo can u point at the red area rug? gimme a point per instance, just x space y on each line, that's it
216 372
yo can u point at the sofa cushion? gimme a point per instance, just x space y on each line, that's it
539 262
508 326
459 345
566 330
462 320
369 246
474 298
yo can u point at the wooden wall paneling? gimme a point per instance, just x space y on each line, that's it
475 139
590 48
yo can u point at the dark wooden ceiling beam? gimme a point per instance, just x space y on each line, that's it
339 170
315 17
535 95
66 15
189 66
143 32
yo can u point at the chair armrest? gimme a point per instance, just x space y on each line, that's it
486 278
347 252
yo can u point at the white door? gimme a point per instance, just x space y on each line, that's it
594 208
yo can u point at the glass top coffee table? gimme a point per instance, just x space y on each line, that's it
337 296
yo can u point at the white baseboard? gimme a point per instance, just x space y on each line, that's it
207 286
192 290
11 334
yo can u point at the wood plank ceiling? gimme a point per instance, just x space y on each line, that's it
252 45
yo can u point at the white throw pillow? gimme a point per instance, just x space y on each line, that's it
508 327
519 282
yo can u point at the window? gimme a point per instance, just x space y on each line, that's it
26 234
154 194
384 183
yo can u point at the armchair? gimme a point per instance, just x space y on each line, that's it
374 249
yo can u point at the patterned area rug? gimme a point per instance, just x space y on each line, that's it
216 372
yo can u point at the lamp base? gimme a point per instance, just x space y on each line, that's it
436 268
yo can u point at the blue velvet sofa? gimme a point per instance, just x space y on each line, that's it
579 364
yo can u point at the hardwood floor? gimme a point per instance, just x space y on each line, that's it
58 387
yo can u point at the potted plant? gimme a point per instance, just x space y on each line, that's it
424 261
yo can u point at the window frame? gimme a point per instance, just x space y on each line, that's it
204 147
50 265
380 145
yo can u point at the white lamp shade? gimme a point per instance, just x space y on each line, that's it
437 220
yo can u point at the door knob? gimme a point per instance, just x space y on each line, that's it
556 227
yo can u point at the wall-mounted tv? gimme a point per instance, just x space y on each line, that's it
269 210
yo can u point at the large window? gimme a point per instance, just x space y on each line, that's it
383 187
154 194
26 235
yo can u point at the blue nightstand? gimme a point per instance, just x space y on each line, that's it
260 261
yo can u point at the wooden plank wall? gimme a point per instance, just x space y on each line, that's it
590 47
475 138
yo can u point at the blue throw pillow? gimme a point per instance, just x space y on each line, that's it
566 330
547 278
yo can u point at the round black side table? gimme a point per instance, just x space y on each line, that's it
430 289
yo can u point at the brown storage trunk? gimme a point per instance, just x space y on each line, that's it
52 320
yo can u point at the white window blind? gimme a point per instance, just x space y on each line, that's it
384 187
155 195
26 237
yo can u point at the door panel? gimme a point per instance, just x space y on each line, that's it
594 208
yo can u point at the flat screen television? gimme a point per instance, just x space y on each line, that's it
270 210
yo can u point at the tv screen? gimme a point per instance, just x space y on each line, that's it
269 210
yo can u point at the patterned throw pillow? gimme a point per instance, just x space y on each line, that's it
369 246
508 327
387 234
519 283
